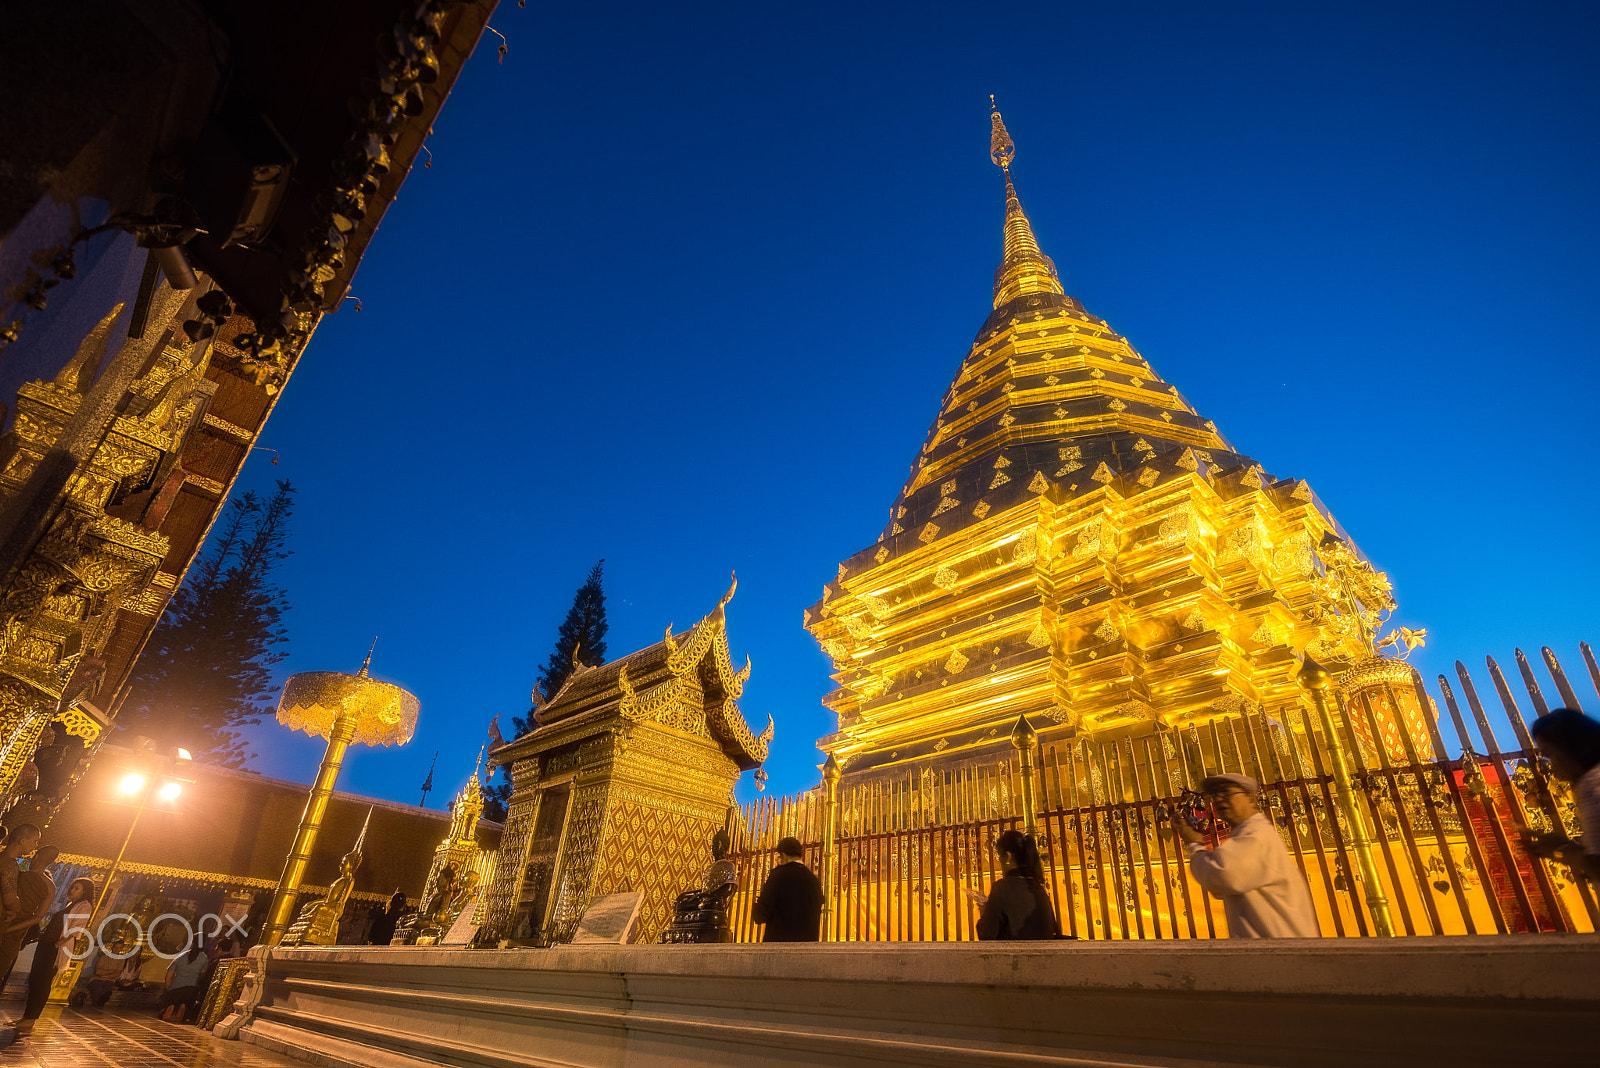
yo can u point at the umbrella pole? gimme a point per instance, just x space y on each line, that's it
294 866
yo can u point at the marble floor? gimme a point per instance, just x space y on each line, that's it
122 1038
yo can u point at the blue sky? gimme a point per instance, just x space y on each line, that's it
682 289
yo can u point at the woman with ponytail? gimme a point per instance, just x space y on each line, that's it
1018 906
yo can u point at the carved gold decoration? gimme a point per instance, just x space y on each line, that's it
382 713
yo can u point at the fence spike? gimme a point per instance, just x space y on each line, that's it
1563 687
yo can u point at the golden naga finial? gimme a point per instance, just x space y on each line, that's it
1001 148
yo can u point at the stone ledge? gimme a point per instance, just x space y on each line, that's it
1510 1000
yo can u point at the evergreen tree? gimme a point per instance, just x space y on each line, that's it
581 634
207 671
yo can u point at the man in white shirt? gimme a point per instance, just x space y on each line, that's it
1263 893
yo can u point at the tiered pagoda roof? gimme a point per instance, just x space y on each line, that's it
1074 529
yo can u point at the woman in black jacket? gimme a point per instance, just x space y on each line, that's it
1018 905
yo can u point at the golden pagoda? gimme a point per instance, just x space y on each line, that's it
1077 544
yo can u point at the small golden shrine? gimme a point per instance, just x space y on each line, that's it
1076 543
621 786
460 869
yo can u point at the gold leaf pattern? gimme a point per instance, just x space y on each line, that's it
1187 462
1107 630
1025 549
928 533
1088 542
1001 461
945 579
956 662
1148 476
1195 621
1039 483
1104 474
1116 405
1000 479
980 509
1038 637
882 554
945 505
948 488
1175 527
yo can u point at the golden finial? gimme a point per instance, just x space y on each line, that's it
1001 147
367 663
362 837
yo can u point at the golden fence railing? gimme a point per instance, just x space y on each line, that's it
1419 843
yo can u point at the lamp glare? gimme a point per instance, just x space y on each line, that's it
170 791
132 784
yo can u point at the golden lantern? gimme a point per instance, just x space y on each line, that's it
342 708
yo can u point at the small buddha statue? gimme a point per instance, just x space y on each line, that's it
318 922
701 915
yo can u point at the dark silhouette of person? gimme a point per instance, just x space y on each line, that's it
1018 906
790 902
1570 741
383 923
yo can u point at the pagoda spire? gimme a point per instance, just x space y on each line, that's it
1024 268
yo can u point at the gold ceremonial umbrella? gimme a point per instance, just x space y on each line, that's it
343 709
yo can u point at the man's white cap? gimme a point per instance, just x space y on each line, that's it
1213 783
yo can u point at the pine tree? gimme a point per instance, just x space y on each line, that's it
207 671
582 633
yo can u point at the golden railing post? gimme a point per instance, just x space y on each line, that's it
1314 677
1026 742
294 866
830 863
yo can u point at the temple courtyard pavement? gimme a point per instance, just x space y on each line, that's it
126 1038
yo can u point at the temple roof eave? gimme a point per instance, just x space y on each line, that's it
621 688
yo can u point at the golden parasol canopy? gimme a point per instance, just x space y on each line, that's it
382 713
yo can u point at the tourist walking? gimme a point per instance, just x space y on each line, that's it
1570 740
1018 905
1263 893
790 902
67 928
26 894
181 999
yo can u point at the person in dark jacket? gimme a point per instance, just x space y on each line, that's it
790 902
1018 906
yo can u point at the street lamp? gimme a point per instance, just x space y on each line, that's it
158 779
143 785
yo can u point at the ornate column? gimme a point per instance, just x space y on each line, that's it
1314 677
830 859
